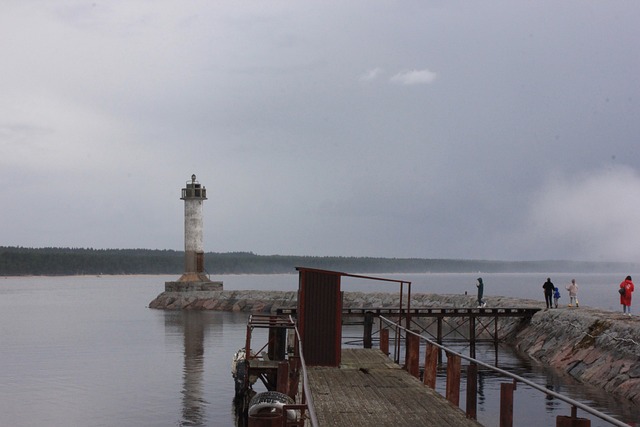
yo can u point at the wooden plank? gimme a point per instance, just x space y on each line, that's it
368 390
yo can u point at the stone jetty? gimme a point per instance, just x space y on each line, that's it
597 347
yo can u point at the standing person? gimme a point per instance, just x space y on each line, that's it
573 293
556 296
548 293
480 286
626 289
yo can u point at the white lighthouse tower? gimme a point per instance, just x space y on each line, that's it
194 277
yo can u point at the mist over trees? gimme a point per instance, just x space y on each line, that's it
19 261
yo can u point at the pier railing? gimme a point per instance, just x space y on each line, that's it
413 340
307 397
282 367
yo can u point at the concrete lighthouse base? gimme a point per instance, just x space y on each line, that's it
190 282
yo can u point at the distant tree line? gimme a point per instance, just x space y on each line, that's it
20 261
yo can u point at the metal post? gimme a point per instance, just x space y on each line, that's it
430 365
408 305
472 391
294 376
282 382
277 347
368 327
413 355
472 336
453 378
439 337
506 404
564 421
384 341
397 344
573 420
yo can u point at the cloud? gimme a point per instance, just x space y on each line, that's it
296 108
371 75
591 216
414 77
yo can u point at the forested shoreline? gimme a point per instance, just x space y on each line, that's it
20 261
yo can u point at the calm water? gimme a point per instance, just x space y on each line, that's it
85 351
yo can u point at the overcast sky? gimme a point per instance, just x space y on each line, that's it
505 130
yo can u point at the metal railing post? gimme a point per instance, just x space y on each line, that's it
384 341
413 354
506 391
472 391
430 365
453 378
506 404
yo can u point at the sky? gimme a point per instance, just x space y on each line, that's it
495 130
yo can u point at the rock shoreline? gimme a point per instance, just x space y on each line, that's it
596 347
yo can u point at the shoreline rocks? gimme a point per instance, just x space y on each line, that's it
596 347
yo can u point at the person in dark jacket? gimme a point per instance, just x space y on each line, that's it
480 287
548 293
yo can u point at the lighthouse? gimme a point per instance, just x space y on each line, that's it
194 277
193 195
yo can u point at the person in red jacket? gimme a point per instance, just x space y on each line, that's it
626 289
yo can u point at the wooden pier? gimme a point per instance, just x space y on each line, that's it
334 386
369 389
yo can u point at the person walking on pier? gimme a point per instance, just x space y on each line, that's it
573 293
548 293
626 289
480 287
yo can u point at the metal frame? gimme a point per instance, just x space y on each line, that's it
508 391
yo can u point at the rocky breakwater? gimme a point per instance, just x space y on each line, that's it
249 301
269 301
596 347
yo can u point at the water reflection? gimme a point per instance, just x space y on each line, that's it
481 384
194 328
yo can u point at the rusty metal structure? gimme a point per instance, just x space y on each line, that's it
320 312
320 316
433 357
317 323
280 364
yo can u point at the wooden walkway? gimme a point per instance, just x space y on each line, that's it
368 389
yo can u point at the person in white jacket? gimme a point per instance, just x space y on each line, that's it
573 293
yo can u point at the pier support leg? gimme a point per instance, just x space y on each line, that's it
368 328
453 379
430 365
282 382
413 355
506 404
564 421
384 341
439 336
277 348
573 420
496 341
472 336
472 391
294 376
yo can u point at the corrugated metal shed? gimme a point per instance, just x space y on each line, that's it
320 316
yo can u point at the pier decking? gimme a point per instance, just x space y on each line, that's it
368 389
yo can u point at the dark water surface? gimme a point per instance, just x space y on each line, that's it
86 351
